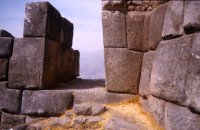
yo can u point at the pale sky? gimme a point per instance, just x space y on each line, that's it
84 14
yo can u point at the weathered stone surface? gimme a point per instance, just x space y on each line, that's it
67 30
30 119
173 22
3 69
98 109
99 96
42 20
114 5
146 31
6 46
156 26
112 23
77 63
193 76
146 73
33 65
123 68
10 99
45 102
168 77
191 21
78 121
135 31
4 33
180 118
9 120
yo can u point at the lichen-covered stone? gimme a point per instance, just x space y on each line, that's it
6 47
173 22
114 29
123 68
4 69
45 102
42 20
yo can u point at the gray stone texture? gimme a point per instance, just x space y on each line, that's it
10 99
191 20
114 29
123 68
67 30
76 63
33 65
114 5
46 102
146 73
180 118
4 33
193 75
156 26
6 47
10 120
168 77
173 22
135 30
42 20
4 69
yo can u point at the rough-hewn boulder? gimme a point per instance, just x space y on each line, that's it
3 69
45 102
114 5
173 22
42 20
123 68
6 47
114 29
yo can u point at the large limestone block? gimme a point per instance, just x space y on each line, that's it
6 46
114 29
4 33
67 30
3 69
33 64
146 73
180 118
123 68
114 5
42 20
168 77
156 26
193 75
192 16
135 31
10 120
46 102
173 23
10 99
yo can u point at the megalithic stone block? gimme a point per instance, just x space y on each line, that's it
10 99
191 20
6 47
67 30
4 69
173 23
114 29
46 102
33 64
77 63
42 20
156 26
114 5
4 33
135 31
123 68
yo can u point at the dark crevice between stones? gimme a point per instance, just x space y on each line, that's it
193 110
171 36
190 29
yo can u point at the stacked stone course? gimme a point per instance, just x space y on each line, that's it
42 59
168 38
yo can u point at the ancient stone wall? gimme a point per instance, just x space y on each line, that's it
154 51
40 60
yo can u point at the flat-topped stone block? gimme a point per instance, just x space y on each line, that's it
123 68
173 22
42 20
4 33
6 47
46 102
114 5
10 99
191 20
33 64
4 69
114 29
